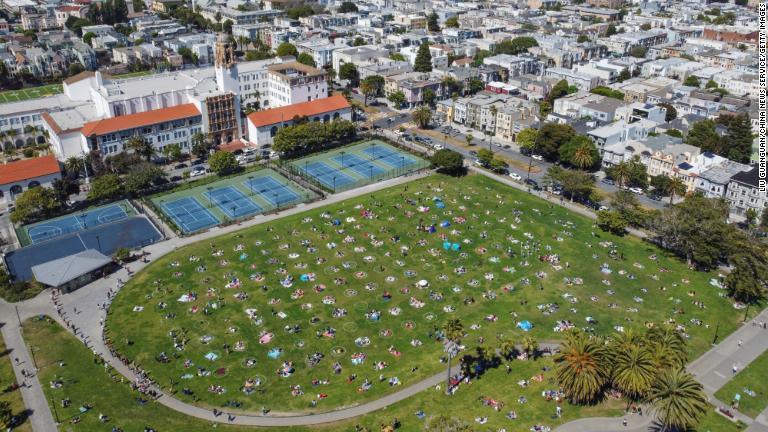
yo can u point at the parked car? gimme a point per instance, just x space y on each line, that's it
197 172
636 190
608 181
175 178
655 197
473 153
438 147
532 183
516 176
537 157
180 166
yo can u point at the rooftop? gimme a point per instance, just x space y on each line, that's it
132 121
60 271
28 169
287 113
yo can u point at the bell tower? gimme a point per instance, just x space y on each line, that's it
225 65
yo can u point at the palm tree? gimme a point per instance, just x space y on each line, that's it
675 187
529 345
633 371
621 173
454 331
141 147
582 157
678 399
422 116
507 347
667 347
581 368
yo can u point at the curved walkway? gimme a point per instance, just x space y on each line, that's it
84 309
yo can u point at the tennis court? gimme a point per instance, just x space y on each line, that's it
272 190
325 174
232 202
356 165
189 214
233 198
390 156
75 222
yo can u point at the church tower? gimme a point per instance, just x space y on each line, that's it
226 65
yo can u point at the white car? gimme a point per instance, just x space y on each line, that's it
537 157
197 172
438 147
516 176
636 190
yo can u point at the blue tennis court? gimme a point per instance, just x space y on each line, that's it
232 202
189 214
75 222
272 190
389 156
357 164
323 173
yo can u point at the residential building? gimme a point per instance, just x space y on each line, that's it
583 81
17 177
747 191
713 181
294 82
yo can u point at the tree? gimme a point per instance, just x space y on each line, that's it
307 59
359 41
142 177
748 280
448 162
529 345
88 38
469 139
452 22
34 203
368 90
172 151
201 145
475 85
348 71
633 371
485 157
608 92
63 188
526 138
551 136
428 95
738 137
105 187
423 61
645 26
301 11
432 24
422 116
674 187
347 7
74 165
223 163
678 399
579 152
624 75
610 30
397 98
638 51
286 49
558 90
671 112
141 147
580 367
582 38
750 217
703 134
515 46
692 81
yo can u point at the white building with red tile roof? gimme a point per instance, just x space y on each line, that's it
16 177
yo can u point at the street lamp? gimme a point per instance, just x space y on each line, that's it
210 200
234 211
342 160
83 216
274 194
250 184
373 150
98 243
334 184
370 171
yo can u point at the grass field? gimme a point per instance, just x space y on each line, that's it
30 93
751 378
714 422
367 278
7 378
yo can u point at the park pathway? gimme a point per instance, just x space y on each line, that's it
82 309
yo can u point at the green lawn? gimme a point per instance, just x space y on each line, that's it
85 382
751 378
7 379
30 93
206 317
714 422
